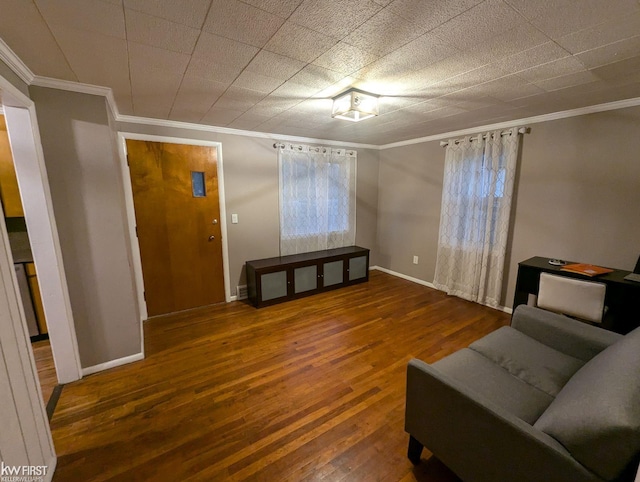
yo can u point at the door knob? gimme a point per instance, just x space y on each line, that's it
212 237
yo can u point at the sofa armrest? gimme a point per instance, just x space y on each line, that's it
477 439
565 334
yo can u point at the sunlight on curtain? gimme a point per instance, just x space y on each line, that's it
317 198
474 222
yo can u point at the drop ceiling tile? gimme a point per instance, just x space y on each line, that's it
261 83
199 67
513 41
509 88
274 104
153 91
91 15
196 96
538 55
431 14
96 59
423 79
282 8
564 81
619 69
382 69
274 65
299 42
239 99
147 57
478 24
422 52
124 101
316 77
294 91
540 7
556 68
345 58
158 32
220 50
602 34
187 12
383 33
238 21
575 16
220 117
336 19
39 49
614 52
248 121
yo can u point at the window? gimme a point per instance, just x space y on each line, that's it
474 221
317 198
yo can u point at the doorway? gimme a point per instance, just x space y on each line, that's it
22 129
176 209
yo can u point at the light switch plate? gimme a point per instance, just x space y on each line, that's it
234 219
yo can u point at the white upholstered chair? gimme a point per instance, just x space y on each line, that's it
572 297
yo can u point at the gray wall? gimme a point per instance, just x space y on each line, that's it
410 192
88 202
13 79
577 197
250 166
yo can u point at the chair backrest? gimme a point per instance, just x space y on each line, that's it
572 297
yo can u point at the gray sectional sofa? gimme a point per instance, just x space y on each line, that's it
548 398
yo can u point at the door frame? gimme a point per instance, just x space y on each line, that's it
31 172
131 214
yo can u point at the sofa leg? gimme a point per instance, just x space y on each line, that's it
415 450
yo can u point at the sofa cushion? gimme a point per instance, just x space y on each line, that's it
495 384
596 416
529 360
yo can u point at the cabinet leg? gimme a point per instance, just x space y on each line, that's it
415 450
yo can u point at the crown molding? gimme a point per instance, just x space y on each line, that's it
592 109
26 75
14 62
237 132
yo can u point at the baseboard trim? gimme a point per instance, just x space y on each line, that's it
404 276
233 298
112 364
430 285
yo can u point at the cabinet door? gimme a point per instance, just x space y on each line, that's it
305 279
333 273
357 267
273 285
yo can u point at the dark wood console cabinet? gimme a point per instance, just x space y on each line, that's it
622 297
284 278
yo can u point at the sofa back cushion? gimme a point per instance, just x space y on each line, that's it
596 416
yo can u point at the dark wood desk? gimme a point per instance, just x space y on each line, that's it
622 296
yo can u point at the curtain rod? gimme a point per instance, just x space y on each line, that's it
323 149
521 130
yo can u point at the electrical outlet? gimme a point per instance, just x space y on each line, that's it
415 260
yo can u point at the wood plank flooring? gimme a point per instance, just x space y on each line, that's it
46 369
312 389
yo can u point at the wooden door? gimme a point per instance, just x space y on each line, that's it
178 224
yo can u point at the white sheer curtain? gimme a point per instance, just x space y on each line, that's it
317 198
474 222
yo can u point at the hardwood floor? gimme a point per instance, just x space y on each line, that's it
312 389
46 369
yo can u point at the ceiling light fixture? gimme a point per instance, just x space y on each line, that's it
354 105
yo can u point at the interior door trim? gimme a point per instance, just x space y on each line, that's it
131 217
